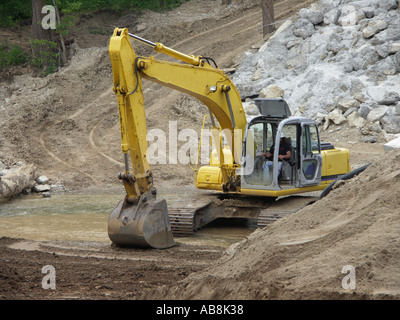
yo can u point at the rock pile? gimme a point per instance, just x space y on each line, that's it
21 178
336 62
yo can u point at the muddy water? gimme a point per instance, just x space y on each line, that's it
84 217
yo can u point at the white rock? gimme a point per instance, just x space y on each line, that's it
394 144
373 27
369 12
141 27
251 110
332 16
348 103
394 47
272 92
382 95
42 180
41 188
337 117
390 122
303 28
348 16
377 114
388 4
355 120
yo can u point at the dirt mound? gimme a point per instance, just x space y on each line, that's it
67 123
302 256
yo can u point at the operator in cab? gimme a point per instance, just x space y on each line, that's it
284 154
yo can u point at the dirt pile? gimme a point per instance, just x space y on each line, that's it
302 256
66 124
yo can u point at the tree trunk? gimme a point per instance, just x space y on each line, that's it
41 50
63 49
268 16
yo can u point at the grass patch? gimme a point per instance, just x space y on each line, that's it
11 56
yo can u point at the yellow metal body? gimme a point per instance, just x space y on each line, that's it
194 77
335 162
132 220
140 219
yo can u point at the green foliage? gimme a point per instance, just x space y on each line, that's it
11 56
12 12
66 23
47 57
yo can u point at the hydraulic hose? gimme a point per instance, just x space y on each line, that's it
346 176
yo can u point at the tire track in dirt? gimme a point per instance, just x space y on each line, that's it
104 252
241 25
45 131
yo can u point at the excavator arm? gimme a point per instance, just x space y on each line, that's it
196 77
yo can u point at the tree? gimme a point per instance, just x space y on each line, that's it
44 49
268 16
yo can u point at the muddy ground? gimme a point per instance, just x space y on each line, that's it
67 125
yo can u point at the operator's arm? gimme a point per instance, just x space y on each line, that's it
268 155
286 156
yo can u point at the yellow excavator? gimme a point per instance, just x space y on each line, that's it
237 166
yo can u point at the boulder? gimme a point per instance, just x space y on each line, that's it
337 117
364 110
369 12
373 27
314 16
303 28
251 109
377 114
41 188
42 180
394 47
355 120
390 122
388 5
272 92
348 16
15 181
382 96
346 104
141 27
332 16
382 50
387 67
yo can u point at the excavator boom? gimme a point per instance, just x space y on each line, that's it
141 219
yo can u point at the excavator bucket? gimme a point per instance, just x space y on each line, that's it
144 224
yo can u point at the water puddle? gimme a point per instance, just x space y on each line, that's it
84 217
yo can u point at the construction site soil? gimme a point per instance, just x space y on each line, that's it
67 125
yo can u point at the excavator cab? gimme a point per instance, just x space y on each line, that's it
301 137
236 166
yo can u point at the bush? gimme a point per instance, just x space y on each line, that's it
12 12
11 56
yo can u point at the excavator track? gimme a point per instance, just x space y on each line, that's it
181 221
185 219
182 217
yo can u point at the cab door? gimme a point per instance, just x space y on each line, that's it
310 156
